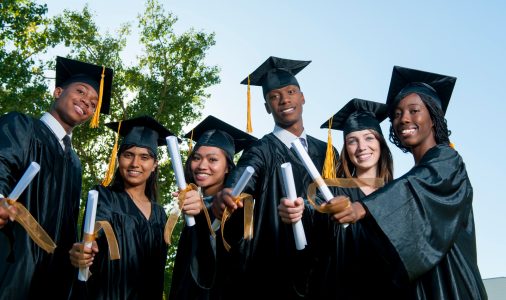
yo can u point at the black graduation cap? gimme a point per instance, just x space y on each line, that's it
405 81
142 131
69 71
216 133
276 73
358 114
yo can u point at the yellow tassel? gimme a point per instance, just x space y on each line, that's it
96 116
190 144
112 162
329 167
452 145
249 127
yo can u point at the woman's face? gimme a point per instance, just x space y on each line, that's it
412 124
135 166
364 151
208 167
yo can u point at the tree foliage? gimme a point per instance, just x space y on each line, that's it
168 81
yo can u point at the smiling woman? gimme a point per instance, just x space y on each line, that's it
130 206
200 262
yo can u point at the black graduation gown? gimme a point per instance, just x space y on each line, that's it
139 273
194 274
27 271
346 264
427 217
269 265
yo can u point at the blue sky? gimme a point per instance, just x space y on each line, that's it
353 46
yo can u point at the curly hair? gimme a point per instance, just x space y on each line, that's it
346 168
441 132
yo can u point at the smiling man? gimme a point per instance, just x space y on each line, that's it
26 271
269 264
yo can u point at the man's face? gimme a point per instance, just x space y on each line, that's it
285 104
75 103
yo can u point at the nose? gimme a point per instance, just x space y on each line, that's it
361 145
135 161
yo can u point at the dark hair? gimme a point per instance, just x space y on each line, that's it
385 169
151 190
441 132
188 168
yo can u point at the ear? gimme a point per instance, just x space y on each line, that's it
57 92
155 165
267 108
303 99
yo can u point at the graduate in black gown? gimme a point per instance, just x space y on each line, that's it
130 205
198 266
52 198
268 265
341 272
426 215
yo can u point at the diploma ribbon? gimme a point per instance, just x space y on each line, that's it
174 216
28 222
339 182
248 205
112 242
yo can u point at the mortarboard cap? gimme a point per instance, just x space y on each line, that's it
358 114
406 81
276 73
142 132
216 133
69 71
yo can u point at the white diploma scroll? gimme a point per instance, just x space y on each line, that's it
313 172
237 190
25 180
177 166
89 228
298 229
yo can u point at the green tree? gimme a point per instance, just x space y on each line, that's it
23 36
168 82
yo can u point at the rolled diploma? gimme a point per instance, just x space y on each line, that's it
25 180
177 166
313 172
89 227
237 190
298 229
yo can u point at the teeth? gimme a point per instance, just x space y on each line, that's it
408 131
79 109
288 110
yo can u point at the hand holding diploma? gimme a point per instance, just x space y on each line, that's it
89 228
313 172
237 190
298 229
25 180
177 166
17 212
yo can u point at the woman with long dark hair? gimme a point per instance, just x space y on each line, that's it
200 258
130 205
425 217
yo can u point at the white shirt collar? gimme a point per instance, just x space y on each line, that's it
55 127
286 137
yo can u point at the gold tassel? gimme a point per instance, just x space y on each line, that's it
329 167
112 161
452 145
96 116
190 144
249 127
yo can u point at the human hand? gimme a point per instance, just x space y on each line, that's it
81 256
291 211
192 204
4 213
223 200
345 211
